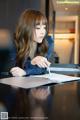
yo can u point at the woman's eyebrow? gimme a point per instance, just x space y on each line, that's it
37 24
40 24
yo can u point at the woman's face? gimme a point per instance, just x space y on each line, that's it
39 32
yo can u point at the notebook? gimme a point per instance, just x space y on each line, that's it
37 80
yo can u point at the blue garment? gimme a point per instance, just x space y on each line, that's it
34 69
50 40
8 95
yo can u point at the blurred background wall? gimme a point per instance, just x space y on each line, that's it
10 11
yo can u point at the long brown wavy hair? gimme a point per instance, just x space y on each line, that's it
24 34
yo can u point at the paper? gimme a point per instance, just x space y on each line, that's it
37 80
25 82
58 78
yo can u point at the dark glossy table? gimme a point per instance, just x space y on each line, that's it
50 102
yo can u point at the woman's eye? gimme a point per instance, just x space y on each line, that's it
45 27
37 27
41 27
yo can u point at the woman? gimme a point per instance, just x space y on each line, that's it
32 46
33 50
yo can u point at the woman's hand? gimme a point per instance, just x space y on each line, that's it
17 71
40 61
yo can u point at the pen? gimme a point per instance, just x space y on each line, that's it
48 68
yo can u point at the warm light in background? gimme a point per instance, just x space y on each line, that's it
68 1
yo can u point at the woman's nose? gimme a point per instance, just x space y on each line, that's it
43 31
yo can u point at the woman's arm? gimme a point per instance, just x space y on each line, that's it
28 69
33 69
50 40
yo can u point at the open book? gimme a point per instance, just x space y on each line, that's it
58 78
37 80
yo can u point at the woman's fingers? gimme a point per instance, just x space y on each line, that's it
41 61
47 62
16 71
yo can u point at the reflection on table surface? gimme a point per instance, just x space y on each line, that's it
53 102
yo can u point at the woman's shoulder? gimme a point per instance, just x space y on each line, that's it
50 38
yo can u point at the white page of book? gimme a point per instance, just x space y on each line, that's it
25 82
58 78
37 80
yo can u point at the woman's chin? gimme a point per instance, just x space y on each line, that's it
40 41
